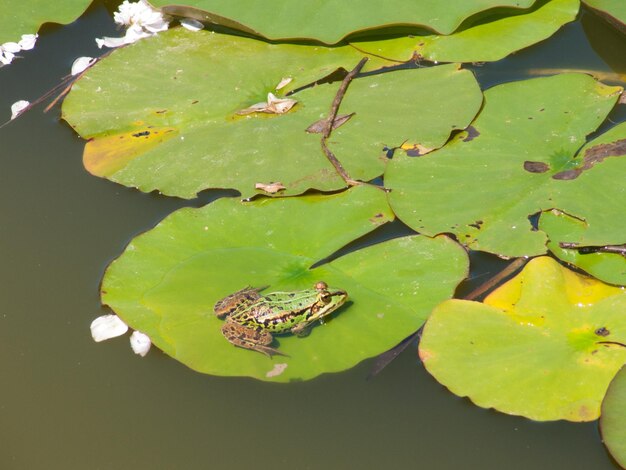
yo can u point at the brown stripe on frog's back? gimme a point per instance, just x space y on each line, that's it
239 300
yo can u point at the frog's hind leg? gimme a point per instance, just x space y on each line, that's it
256 339
232 302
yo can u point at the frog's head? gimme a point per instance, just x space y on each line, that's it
328 299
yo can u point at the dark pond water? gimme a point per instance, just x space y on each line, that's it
68 403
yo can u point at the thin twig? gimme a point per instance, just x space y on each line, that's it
328 128
588 249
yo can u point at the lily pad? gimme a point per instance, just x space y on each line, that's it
484 41
613 418
167 280
614 11
545 345
608 267
175 121
332 20
27 16
517 159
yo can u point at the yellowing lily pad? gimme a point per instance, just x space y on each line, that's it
484 41
520 157
545 345
201 110
167 280
331 20
613 418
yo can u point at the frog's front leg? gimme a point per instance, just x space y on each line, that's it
302 329
246 337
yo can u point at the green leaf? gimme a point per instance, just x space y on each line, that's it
613 418
166 282
613 11
332 20
608 267
515 161
26 16
484 41
170 123
545 345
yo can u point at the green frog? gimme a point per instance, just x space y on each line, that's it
252 318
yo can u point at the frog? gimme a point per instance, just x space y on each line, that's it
251 319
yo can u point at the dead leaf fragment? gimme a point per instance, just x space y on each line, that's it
270 188
284 82
318 127
536 167
272 106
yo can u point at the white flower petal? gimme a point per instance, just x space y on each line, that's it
110 42
106 327
28 41
6 57
18 108
157 26
11 47
81 64
140 343
191 24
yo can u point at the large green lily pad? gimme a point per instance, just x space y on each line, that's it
167 280
329 21
518 158
613 418
170 123
483 42
26 16
614 11
545 345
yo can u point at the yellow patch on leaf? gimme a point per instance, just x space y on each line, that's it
103 156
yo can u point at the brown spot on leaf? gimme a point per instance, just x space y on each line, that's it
598 153
602 331
536 167
476 224
567 174
378 219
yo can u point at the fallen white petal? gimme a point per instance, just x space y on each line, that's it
18 108
191 24
110 42
28 41
106 327
6 57
284 82
81 64
11 47
140 343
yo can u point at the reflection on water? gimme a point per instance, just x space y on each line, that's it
68 403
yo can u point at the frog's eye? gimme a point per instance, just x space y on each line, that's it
325 297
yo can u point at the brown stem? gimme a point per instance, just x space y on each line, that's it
495 280
588 249
328 128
